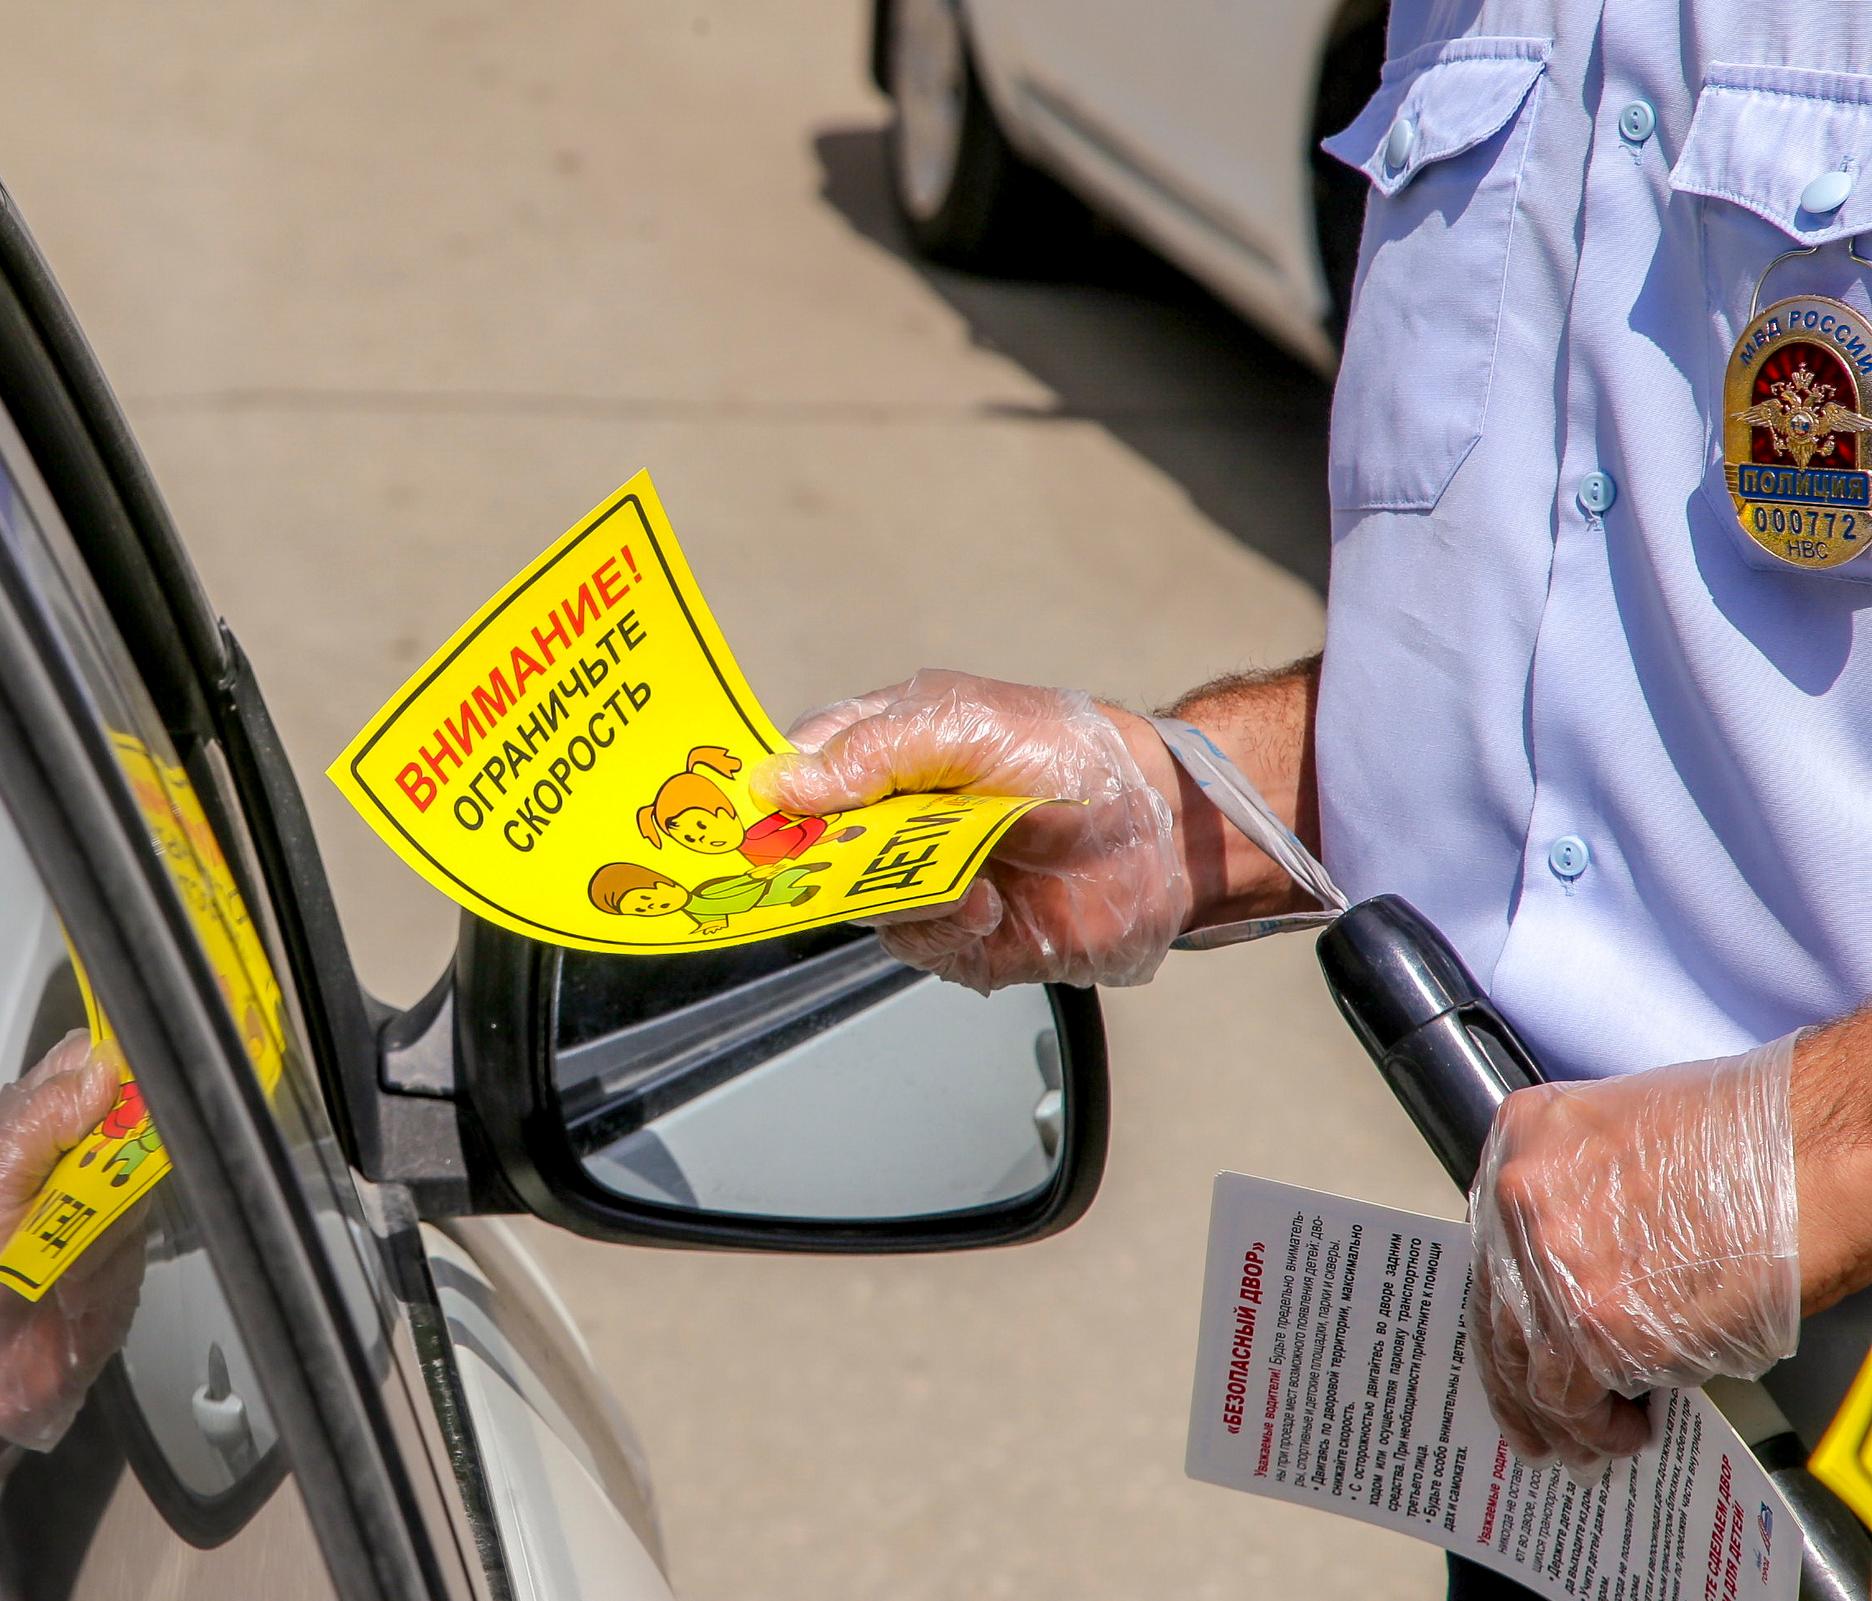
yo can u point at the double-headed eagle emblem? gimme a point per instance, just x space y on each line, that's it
1803 417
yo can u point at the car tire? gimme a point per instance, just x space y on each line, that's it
1339 207
1354 60
965 196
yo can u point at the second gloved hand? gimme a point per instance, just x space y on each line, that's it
1088 893
1633 1233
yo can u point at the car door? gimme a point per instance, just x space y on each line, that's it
1194 120
207 1382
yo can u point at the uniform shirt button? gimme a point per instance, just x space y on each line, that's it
1597 491
1399 144
1827 193
1637 121
1568 856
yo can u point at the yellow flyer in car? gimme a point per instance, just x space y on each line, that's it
573 765
184 840
123 1158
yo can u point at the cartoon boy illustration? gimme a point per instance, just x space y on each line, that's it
628 890
253 1020
694 811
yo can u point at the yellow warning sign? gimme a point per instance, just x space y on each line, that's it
573 765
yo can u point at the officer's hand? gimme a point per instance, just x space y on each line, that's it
1079 894
1632 1233
52 1349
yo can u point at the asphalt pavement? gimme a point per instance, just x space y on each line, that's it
392 295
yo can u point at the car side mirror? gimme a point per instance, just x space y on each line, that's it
806 1093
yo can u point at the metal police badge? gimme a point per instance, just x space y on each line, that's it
1795 455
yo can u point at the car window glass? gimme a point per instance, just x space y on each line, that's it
137 1434
141 1457
203 862
172 805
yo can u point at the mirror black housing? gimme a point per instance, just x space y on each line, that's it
502 1006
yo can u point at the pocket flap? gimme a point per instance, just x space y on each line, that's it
1762 135
1450 96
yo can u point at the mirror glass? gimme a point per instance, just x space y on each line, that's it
805 1078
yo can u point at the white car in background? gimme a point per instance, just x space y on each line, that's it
1195 126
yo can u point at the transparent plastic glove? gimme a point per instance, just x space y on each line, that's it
1632 1233
52 1349
1083 894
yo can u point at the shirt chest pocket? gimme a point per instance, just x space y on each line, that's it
1776 161
1442 142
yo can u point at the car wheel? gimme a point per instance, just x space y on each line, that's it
1339 207
965 196
1354 60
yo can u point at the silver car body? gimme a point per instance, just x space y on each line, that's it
1192 130
565 1475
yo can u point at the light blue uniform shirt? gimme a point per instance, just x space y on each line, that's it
1616 753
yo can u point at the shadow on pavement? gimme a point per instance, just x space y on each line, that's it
1128 342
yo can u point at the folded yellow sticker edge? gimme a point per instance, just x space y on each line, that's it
1842 1461
589 862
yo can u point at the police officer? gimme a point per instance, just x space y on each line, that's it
1593 697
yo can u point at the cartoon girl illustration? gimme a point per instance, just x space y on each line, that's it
126 1133
627 890
694 811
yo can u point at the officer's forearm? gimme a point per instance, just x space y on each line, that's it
1831 1103
1264 721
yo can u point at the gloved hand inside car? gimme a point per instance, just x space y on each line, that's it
1631 1233
52 1349
1088 893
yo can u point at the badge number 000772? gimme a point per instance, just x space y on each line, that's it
1795 437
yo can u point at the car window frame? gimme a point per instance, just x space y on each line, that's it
74 811
202 685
